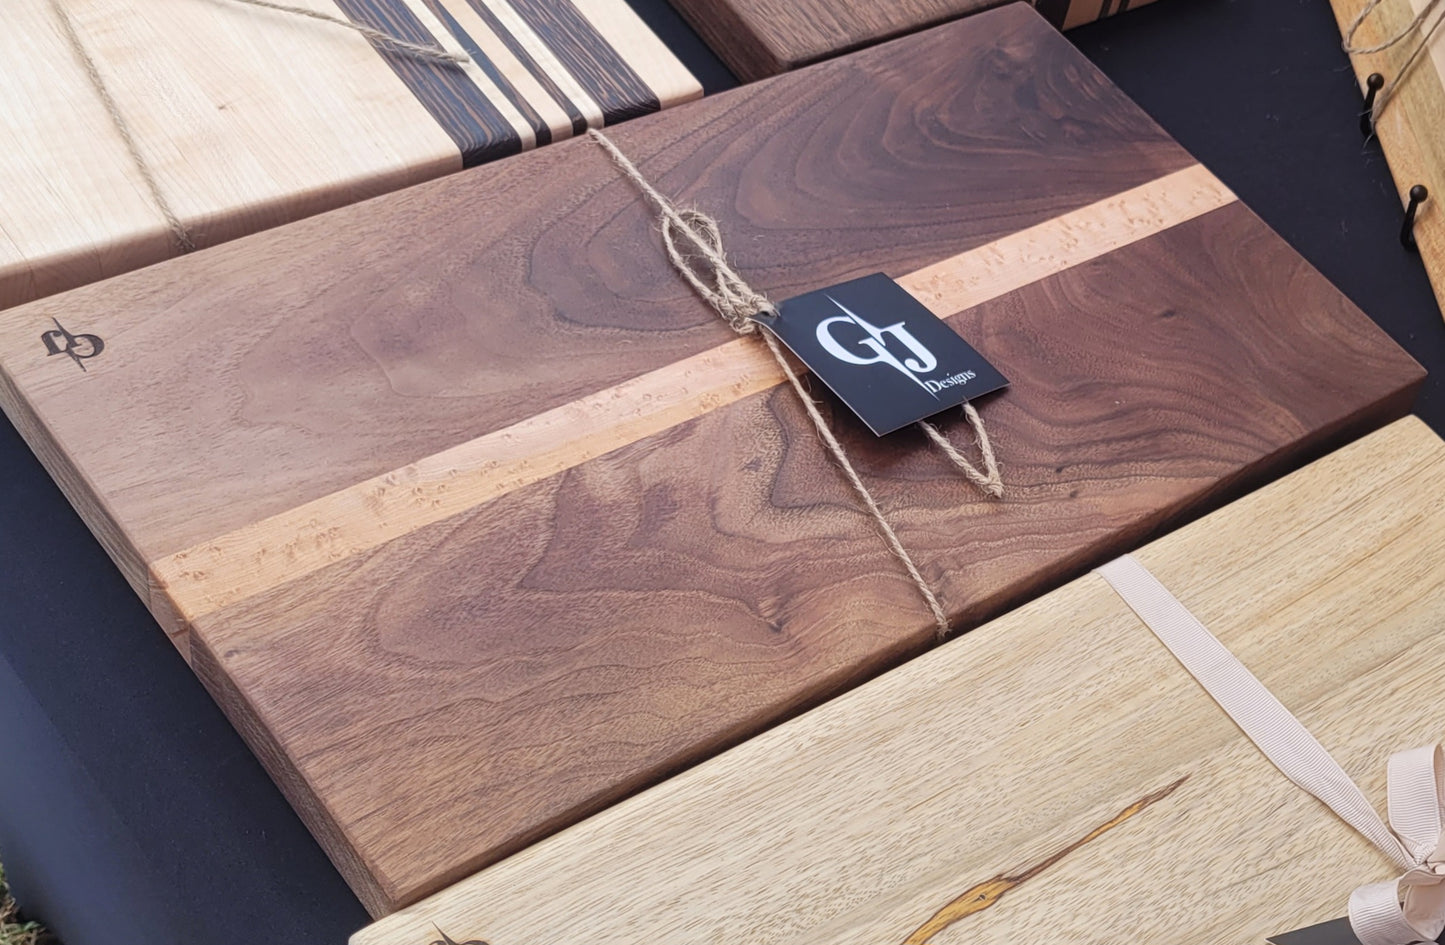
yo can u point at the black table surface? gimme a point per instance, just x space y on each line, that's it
131 812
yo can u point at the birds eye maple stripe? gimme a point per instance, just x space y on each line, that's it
262 555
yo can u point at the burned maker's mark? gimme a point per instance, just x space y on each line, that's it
447 939
990 891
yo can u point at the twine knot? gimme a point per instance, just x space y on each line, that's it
706 269
694 246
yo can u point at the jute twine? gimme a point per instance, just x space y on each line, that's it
179 233
1387 92
704 265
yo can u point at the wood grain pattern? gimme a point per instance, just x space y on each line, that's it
279 549
759 38
511 589
1409 130
1062 728
251 118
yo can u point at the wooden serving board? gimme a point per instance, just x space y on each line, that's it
1052 776
475 519
759 38
1410 130
249 117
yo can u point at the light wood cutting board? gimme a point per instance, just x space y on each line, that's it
249 118
1412 128
475 519
1054 775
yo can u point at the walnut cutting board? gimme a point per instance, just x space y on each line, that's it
1052 776
1412 128
475 519
249 117
758 38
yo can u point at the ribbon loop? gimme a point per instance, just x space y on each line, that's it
1412 908
1415 799
1406 911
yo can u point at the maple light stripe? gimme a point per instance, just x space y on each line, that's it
642 49
473 121
274 551
544 59
490 48
537 72
445 35
605 75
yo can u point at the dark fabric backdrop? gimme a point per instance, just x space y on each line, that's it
130 812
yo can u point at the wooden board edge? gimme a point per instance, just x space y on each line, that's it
83 497
299 793
1399 137
1407 437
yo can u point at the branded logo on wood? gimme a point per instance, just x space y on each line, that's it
889 358
79 348
919 363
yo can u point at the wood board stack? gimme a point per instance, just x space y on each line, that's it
1410 125
474 530
248 117
1052 776
759 38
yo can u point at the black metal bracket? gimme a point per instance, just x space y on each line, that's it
1373 83
1418 195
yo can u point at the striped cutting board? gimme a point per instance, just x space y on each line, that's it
474 529
1054 776
758 38
1412 128
250 117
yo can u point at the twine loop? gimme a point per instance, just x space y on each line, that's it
1387 92
693 241
706 269
1409 910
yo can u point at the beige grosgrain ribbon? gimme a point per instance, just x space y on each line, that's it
1404 911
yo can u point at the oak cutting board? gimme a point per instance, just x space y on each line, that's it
249 117
758 38
1053 776
475 519
1412 126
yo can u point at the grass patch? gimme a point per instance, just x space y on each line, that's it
12 930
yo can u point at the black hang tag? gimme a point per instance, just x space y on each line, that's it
1336 932
891 360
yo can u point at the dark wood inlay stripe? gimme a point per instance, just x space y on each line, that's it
540 128
592 61
579 121
479 130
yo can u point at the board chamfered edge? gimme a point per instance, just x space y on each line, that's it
249 118
383 891
381 894
195 320
1409 128
758 38
1053 775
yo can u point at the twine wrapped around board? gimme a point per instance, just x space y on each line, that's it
179 233
702 263
1387 92
705 267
